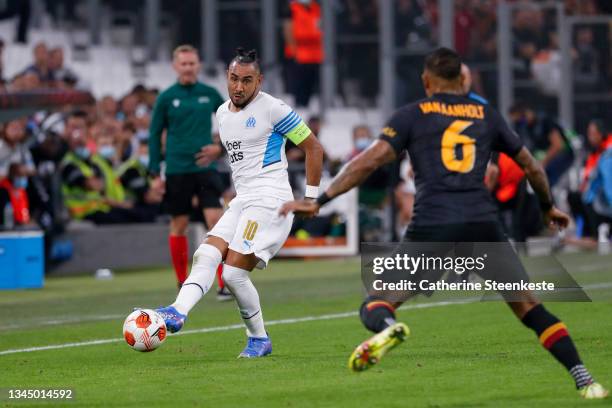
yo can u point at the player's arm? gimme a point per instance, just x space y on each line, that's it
391 143
314 164
539 182
209 154
555 139
351 175
508 142
357 170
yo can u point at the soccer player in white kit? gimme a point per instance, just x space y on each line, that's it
253 127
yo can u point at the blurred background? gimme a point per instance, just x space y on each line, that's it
95 67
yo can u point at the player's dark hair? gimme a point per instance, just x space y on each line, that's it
444 63
246 57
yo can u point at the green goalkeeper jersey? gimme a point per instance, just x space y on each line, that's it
185 112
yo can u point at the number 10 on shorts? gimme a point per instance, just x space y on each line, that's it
250 230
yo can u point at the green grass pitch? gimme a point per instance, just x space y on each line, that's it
472 354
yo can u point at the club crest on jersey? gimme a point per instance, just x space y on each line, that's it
176 103
250 123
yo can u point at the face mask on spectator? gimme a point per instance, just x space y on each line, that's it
144 160
362 143
141 110
20 182
142 134
108 151
83 152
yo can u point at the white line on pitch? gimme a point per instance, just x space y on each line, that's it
269 323
231 327
55 322
85 319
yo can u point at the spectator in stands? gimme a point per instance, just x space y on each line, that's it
16 167
598 195
108 107
545 138
129 105
598 142
141 94
144 191
373 191
303 48
141 122
107 148
13 149
127 143
13 195
91 190
40 67
151 97
26 81
60 75
580 202
587 60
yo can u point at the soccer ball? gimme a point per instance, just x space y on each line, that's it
144 330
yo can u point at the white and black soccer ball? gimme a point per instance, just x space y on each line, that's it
144 330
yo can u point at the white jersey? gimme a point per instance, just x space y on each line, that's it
254 138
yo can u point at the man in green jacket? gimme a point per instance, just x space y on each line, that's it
184 111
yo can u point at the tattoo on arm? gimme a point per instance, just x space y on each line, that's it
535 174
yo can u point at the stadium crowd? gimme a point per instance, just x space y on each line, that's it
91 162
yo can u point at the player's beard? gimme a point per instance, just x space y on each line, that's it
247 101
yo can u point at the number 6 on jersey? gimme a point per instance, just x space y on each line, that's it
450 139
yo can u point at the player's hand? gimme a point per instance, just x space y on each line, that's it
301 208
556 218
157 183
208 154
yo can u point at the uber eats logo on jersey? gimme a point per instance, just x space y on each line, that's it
233 150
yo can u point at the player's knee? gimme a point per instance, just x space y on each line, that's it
207 255
233 276
375 314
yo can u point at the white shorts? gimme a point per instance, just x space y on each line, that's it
254 227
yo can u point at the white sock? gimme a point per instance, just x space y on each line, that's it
203 272
239 283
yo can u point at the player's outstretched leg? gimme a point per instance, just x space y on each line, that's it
555 338
200 280
239 283
379 317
